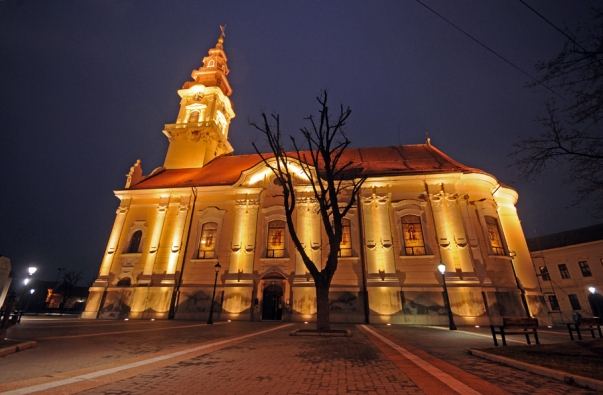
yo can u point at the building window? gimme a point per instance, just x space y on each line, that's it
135 242
563 270
345 247
544 272
554 303
194 117
585 269
494 236
276 239
573 298
207 244
413 235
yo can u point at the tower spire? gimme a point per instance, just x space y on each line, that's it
201 129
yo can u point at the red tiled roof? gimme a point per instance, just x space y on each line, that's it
373 162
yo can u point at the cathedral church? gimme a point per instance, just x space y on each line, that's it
208 218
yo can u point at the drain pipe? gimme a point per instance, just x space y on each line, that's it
176 294
362 259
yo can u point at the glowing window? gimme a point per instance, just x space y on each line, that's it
544 272
345 247
413 235
494 236
135 242
207 244
276 239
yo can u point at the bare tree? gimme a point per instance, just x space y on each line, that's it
333 181
573 130
67 288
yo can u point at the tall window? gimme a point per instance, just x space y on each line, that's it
573 298
207 244
494 236
413 235
585 269
345 247
544 272
135 242
563 270
276 239
554 303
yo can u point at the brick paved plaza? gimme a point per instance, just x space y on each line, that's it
247 358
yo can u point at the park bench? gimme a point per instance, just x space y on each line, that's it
516 326
589 324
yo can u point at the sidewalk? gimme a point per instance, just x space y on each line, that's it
375 360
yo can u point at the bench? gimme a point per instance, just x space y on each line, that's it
586 323
516 326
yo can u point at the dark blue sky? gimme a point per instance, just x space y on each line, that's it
86 87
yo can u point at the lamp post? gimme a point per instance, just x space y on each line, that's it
210 321
31 292
442 269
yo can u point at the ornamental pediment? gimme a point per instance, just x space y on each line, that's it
262 175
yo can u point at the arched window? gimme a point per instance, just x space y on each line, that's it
494 236
124 282
345 247
276 239
414 243
135 242
193 117
207 244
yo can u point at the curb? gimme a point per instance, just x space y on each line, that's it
567 378
302 332
19 347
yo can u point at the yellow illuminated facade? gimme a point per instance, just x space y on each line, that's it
205 206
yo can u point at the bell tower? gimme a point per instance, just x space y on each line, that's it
201 130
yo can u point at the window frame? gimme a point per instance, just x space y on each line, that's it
349 250
417 208
500 250
406 246
544 273
574 301
585 269
554 303
214 239
564 271
208 214
283 242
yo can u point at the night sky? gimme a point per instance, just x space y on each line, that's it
86 87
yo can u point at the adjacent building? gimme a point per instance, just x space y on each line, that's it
205 205
569 265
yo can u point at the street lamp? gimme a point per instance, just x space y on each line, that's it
210 321
522 291
31 270
592 290
442 269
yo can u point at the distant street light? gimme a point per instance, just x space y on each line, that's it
210 321
31 270
451 325
592 290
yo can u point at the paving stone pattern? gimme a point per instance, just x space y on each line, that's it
277 364
451 347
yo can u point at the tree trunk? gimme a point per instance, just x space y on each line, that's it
323 321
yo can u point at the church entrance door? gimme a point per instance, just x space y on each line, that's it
272 304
